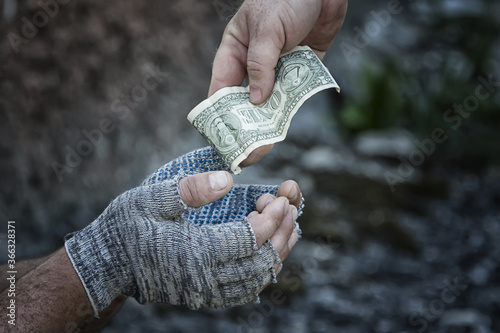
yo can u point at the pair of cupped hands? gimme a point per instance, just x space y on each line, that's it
188 235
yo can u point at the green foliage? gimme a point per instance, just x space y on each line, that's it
424 85
379 106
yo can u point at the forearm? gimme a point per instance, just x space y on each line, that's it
22 268
49 298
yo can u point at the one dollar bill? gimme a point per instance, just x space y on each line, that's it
235 127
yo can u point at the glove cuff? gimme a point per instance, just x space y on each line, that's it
98 269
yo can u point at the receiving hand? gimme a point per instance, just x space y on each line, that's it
151 245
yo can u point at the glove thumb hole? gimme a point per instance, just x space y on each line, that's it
204 188
160 200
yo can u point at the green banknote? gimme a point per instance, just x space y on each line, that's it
235 127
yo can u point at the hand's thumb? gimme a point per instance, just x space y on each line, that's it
261 61
204 188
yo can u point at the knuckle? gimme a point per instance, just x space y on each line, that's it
255 67
189 191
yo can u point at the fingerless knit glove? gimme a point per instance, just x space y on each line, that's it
149 245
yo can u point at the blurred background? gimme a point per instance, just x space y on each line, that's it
401 170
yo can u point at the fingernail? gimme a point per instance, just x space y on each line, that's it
255 95
297 189
218 180
270 199
286 203
294 213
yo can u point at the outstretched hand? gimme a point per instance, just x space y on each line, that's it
151 245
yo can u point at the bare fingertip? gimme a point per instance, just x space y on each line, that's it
264 201
294 212
289 189
252 214
286 204
219 180
255 95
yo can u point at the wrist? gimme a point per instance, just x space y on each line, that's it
100 264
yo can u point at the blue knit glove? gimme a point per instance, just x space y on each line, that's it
235 206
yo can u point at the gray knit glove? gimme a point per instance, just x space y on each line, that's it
149 245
